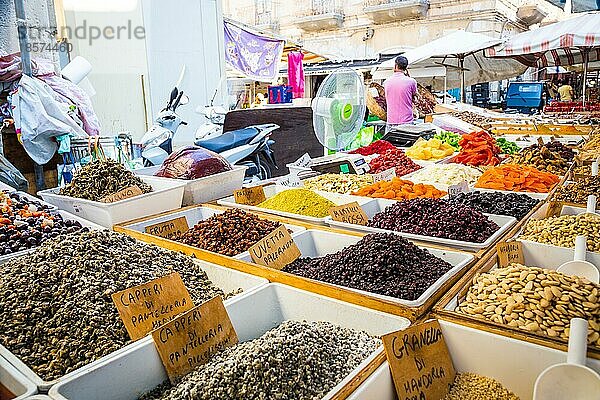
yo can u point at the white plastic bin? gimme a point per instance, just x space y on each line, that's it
227 279
272 190
66 216
514 363
315 243
167 195
139 369
15 382
379 205
209 188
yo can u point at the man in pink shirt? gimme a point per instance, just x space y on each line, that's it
400 90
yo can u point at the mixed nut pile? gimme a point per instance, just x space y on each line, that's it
469 386
338 183
543 158
56 311
296 360
562 231
578 192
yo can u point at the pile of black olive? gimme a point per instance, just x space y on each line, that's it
516 205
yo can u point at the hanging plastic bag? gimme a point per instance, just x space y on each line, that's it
39 117
11 176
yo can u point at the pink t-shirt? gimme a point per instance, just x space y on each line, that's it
399 92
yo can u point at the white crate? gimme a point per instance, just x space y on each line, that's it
139 369
514 363
226 279
379 205
315 243
66 216
209 188
272 190
167 195
15 381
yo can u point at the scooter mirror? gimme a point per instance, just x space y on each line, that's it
184 100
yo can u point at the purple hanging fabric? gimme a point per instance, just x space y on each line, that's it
296 73
255 56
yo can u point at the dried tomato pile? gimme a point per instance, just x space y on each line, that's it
377 147
478 148
394 159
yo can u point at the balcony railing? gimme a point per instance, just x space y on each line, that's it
321 15
382 11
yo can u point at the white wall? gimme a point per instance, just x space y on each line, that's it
189 34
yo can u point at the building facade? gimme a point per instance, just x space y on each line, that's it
355 29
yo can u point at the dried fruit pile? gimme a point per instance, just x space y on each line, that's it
476 149
446 174
515 205
437 218
230 233
386 264
507 146
432 149
399 189
377 147
517 178
542 158
393 159
449 137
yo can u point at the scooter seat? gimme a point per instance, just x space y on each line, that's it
228 140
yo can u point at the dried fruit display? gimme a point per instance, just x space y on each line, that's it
432 149
476 149
399 189
437 218
517 178
377 147
516 205
393 159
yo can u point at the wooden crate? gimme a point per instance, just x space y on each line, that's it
322 288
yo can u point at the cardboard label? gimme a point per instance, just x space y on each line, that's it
305 161
146 307
126 193
554 209
250 196
386 175
351 213
510 252
276 250
419 361
540 141
455 190
192 338
291 180
165 229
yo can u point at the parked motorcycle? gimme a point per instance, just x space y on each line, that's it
249 146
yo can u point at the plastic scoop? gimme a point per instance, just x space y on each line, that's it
591 205
595 167
571 380
580 267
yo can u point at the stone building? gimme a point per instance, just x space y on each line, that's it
354 29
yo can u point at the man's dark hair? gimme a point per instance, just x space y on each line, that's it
401 62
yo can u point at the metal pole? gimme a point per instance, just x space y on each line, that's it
38 170
461 64
445 84
22 29
586 58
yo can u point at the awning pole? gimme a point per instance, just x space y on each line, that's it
586 58
445 84
22 29
461 63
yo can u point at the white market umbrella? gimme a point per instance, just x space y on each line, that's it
569 42
461 53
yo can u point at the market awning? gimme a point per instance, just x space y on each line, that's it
309 56
459 52
560 43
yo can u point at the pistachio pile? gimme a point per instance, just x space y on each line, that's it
562 231
296 360
534 299
56 311
578 192
102 178
338 183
